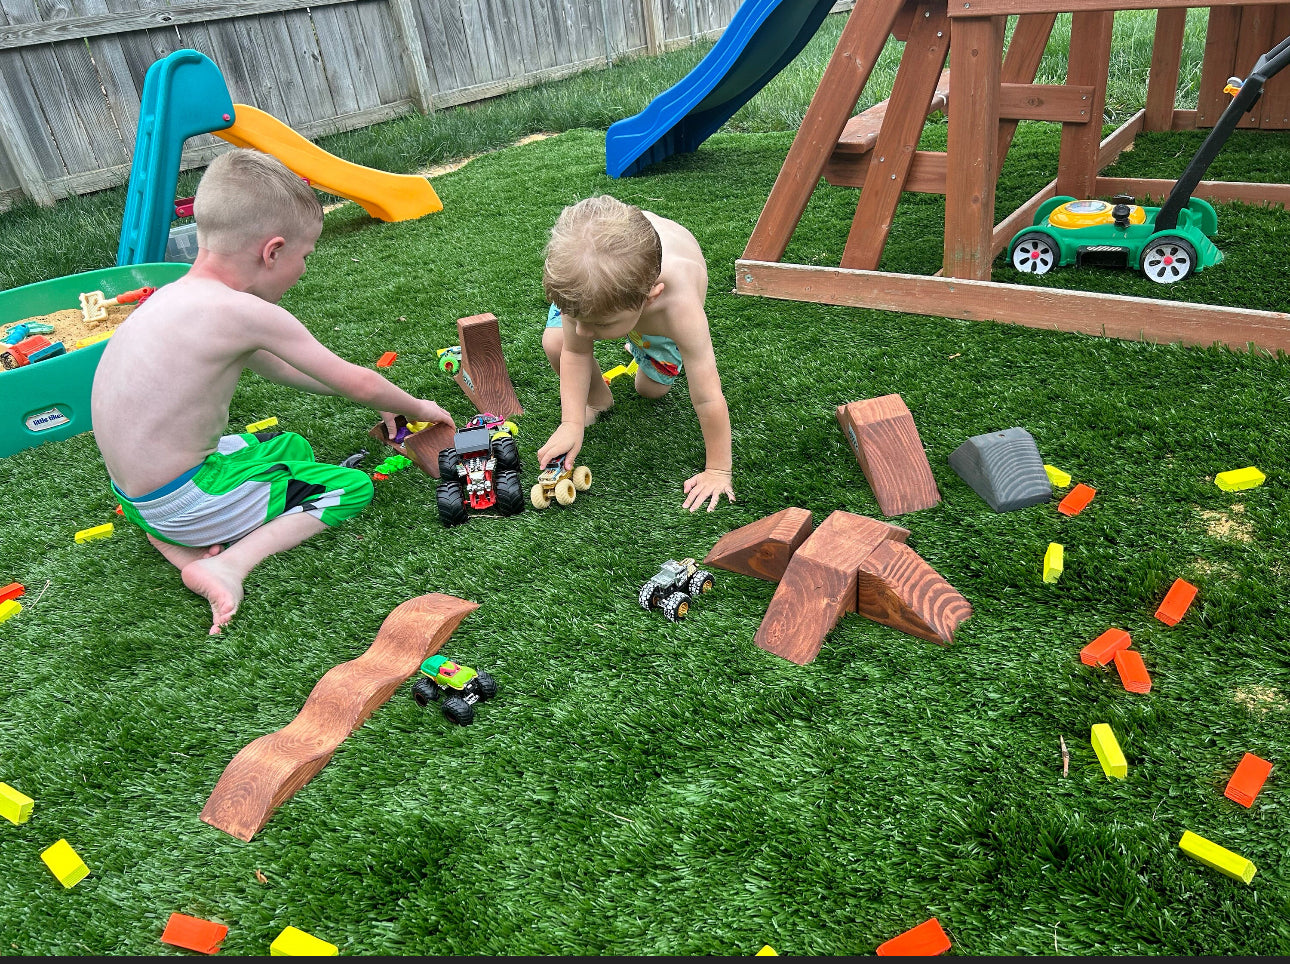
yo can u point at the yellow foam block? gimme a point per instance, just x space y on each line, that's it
1108 751
97 532
65 863
766 951
1053 560
1236 479
9 608
262 424
92 339
1057 477
1220 858
296 943
14 805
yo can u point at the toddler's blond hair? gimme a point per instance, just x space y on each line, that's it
604 256
246 197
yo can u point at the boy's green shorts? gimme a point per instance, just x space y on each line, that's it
242 485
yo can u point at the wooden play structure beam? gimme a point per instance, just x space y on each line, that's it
268 771
484 376
986 95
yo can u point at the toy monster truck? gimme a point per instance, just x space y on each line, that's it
673 588
498 426
480 471
454 687
564 484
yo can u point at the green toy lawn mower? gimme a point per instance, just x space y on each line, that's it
1168 243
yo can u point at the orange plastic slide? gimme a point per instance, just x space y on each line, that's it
389 197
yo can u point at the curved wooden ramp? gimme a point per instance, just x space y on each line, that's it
266 772
483 375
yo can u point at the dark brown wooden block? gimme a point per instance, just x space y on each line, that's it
819 585
882 435
483 375
267 772
896 587
763 548
421 447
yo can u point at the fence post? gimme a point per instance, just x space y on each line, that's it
654 26
21 156
405 20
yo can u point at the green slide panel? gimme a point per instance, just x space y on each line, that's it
50 400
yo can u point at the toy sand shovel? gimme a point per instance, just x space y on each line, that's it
94 304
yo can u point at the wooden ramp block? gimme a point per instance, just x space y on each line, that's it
762 549
896 587
882 435
421 447
268 771
819 585
483 375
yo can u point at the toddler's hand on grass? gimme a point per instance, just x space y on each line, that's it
708 484
566 440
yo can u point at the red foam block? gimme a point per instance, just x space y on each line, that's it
193 933
1077 499
12 591
1103 649
386 360
1248 779
925 940
1133 672
1176 601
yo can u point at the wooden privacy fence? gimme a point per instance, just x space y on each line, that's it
71 71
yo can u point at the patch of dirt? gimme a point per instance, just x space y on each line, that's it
457 165
1261 699
1222 525
1204 567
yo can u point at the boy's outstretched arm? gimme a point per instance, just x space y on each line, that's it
714 421
272 368
577 364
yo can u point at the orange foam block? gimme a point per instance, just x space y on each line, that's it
1133 672
12 591
1248 779
1077 500
1176 601
1103 649
386 360
193 933
925 940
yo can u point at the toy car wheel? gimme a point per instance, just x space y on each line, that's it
1035 253
676 606
458 710
538 496
648 596
511 428
1167 259
448 464
449 363
448 497
426 691
701 582
486 688
582 478
507 453
565 492
510 492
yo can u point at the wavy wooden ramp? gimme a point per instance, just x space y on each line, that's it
819 585
484 376
268 771
763 548
421 447
882 434
896 587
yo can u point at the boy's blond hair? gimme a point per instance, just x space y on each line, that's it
246 197
604 256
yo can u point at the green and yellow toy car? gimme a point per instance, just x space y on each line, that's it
454 687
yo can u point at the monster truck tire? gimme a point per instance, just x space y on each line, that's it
448 497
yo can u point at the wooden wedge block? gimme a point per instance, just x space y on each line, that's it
762 549
267 772
882 435
896 587
819 585
421 447
483 375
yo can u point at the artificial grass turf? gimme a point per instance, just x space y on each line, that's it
640 787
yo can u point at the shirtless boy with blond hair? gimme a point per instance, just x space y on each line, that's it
614 271
162 390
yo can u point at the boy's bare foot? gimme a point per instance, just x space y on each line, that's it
220 584
181 556
594 412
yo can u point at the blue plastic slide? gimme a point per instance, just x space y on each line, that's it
763 36
183 95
